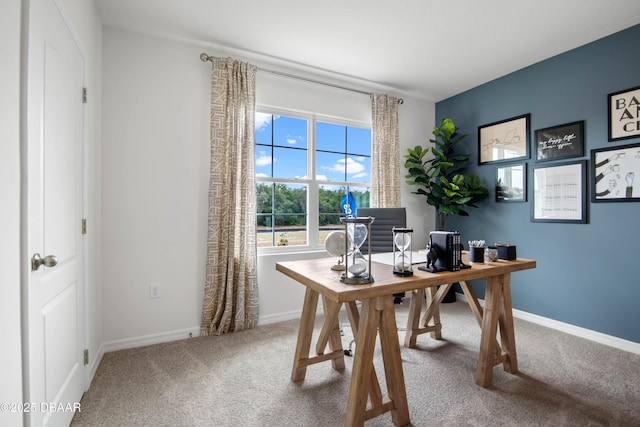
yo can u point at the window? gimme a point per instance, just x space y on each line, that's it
305 164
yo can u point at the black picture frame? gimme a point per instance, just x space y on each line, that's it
613 174
624 114
560 192
505 140
560 142
511 183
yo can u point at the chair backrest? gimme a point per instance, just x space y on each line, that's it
381 228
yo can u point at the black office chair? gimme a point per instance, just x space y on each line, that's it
381 236
382 232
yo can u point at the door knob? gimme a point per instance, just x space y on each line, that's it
48 261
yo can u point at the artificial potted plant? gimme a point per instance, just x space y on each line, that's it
440 178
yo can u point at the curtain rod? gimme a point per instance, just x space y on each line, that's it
205 58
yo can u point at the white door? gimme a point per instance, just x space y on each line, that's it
54 379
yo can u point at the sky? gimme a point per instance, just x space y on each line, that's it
290 142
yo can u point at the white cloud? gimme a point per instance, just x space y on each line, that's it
291 141
263 159
353 167
262 120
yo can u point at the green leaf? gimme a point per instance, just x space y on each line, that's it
450 209
437 190
445 164
461 157
434 201
414 167
462 201
447 127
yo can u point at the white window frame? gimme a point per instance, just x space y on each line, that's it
313 185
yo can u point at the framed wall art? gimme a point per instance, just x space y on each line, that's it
505 140
624 114
614 174
559 193
560 142
511 183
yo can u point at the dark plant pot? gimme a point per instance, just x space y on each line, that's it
450 296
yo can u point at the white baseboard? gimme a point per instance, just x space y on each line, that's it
181 334
150 339
281 317
611 341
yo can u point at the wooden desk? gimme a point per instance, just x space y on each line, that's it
377 315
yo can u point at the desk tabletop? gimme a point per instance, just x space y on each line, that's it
317 275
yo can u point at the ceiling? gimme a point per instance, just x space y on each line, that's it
430 49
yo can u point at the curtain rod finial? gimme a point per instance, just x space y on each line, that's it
204 57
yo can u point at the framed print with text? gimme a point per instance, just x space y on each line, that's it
614 172
559 193
511 183
624 114
560 142
505 140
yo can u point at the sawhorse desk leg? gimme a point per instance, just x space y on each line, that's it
377 314
430 322
330 334
497 313
365 396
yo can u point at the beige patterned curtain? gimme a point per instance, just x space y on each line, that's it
231 289
385 156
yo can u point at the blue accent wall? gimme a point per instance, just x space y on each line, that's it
587 275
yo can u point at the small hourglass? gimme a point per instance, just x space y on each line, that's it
357 267
357 234
402 256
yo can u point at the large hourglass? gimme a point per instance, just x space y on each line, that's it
357 266
402 256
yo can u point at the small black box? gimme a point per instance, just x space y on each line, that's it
506 251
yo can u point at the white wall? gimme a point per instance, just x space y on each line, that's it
154 186
10 356
155 175
417 119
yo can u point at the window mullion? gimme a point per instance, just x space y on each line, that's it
313 193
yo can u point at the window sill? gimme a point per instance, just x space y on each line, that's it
303 252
